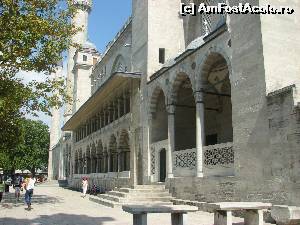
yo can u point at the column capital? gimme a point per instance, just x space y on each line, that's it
171 108
199 96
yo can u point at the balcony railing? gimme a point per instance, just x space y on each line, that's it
218 160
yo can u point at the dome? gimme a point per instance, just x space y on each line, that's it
85 3
89 45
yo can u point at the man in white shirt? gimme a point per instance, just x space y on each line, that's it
29 186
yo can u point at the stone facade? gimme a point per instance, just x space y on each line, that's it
207 104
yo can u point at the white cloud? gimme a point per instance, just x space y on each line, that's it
30 76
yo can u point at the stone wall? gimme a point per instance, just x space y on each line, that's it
104 183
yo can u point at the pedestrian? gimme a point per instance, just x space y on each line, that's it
85 184
29 186
2 187
17 185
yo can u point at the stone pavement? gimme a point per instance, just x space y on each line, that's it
53 205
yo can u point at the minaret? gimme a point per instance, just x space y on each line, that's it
84 61
55 124
80 20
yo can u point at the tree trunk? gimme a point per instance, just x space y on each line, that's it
33 171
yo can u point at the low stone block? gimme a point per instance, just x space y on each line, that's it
286 215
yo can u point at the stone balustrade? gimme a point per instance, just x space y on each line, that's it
218 160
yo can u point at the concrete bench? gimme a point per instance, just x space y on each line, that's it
178 212
223 212
286 215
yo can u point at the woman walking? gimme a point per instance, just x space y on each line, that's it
29 186
84 186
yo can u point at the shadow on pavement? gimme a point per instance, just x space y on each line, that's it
9 199
57 219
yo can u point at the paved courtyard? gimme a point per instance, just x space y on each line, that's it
55 206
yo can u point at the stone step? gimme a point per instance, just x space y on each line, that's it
150 203
118 194
113 204
110 198
129 190
152 187
105 202
134 194
136 199
149 200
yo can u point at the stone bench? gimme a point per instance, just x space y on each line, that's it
223 212
178 212
286 215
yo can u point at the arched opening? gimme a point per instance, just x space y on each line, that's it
93 159
84 163
119 65
159 126
76 166
217 100
88 160
106 160
162 165
124 151
80 162
100 157
185 114
113 154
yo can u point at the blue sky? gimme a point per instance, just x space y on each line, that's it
106 19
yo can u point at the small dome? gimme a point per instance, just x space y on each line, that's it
86 3
89 45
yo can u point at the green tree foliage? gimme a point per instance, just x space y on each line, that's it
33 36
31 152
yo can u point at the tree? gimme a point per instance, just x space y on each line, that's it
32 151
33 36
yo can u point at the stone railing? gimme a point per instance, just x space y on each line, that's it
218 155
218 160
184 162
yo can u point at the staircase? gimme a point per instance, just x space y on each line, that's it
140 194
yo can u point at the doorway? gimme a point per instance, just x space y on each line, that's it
162 165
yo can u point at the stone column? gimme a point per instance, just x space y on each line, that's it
114 111
119 161
124 102
171 139
92 164
108 162
108 115
200 135
133 158
104 162
119 108
149 140
80 166
104 118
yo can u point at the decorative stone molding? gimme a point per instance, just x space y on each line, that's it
185 159
152 160
219 155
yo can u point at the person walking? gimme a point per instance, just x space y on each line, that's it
29 186
2 187
17 185
85 184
